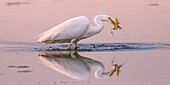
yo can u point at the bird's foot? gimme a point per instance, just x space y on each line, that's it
75 47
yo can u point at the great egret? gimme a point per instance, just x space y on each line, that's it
73 65
75 29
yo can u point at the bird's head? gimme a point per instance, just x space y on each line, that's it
115 23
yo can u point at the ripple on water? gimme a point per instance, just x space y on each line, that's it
32 46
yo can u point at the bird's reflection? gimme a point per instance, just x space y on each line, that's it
73 65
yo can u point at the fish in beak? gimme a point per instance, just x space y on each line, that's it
115 70
115 23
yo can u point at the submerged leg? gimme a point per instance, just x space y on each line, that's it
69 46
75 45
72 41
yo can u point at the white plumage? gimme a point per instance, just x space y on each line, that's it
75 29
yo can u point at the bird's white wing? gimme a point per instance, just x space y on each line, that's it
70 29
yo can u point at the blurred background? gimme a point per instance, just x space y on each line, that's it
142 20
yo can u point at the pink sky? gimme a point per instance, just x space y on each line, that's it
143 20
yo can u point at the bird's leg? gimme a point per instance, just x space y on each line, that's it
72 41
75 45
69 46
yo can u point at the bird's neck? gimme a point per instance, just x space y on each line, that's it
100 74
99 24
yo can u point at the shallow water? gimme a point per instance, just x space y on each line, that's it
22 64
143 50
86 47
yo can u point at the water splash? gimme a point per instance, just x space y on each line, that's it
32 46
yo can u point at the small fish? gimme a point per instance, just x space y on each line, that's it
116 24
116 70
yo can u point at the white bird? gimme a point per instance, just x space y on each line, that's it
73 65
75 29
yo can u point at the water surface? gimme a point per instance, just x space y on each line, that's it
22 64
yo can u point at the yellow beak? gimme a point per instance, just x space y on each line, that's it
115 23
